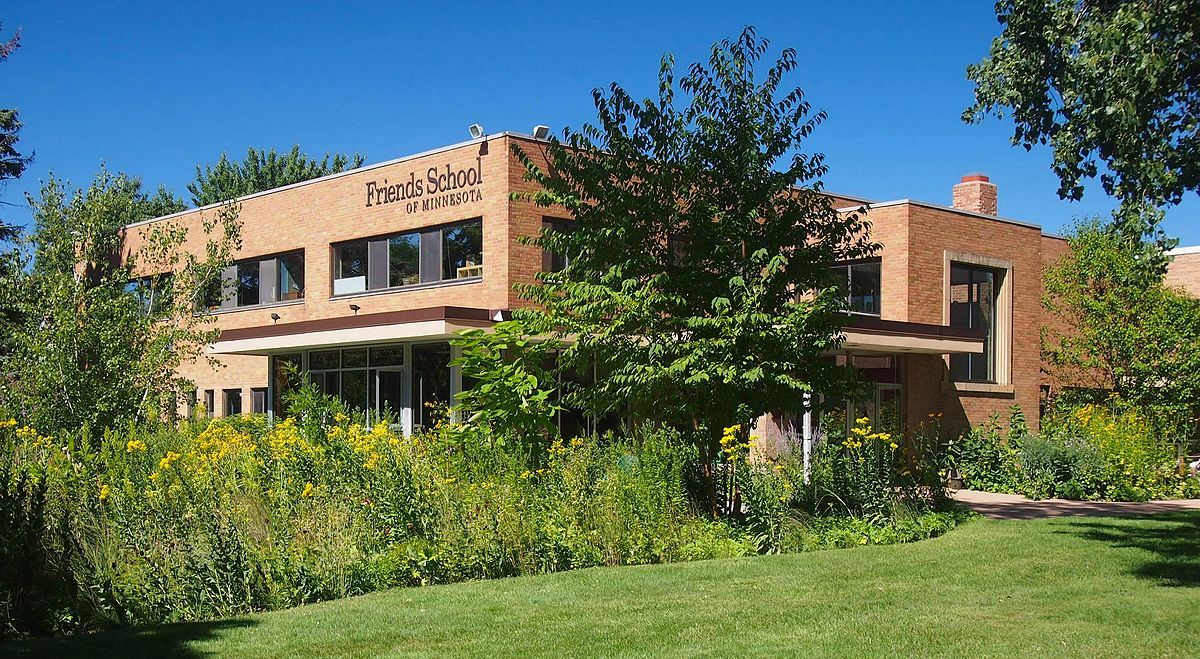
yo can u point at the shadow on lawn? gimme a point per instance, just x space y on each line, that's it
161 641
1173 539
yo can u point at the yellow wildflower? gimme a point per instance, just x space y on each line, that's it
135 445
308 490
103 492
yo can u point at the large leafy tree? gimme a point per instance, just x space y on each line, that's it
1119 331
697 273
1112 86
103 331
263 170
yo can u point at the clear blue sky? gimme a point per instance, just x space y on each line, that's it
154 88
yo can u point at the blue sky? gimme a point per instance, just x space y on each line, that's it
154 88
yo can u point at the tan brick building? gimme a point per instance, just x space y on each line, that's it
360 278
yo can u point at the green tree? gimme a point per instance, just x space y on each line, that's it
1119 331
263 170
96 346
12 163
698 272
1102 82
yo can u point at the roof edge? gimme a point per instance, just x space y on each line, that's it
330 177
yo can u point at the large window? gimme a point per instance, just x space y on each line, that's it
423 257
258 281
249 284
863 287
404 259
430 383
462 251
363 378
973 294
291 276
233 402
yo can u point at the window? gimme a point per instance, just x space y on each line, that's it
285 370
430 383
553 261
257 281
291 276
352 375
210 405
462 251
191 404
248 284
152 293
973 295
404 259
233 402
258 400
863 286
422 257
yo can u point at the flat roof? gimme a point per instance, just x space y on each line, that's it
951 209
1180 251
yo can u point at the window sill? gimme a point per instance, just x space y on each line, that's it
444 283
252 307
980 388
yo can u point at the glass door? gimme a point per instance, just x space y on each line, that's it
388 391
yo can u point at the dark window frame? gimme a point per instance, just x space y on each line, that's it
432 261
875 263
990 367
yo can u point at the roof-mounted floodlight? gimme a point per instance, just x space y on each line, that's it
476 131
541 132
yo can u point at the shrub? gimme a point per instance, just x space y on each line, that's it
1085 452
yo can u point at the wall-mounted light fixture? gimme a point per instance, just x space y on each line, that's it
274 318
476 131
355 308
541 132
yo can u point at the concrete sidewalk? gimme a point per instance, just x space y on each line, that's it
1015 506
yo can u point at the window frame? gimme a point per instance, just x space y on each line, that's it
1002 338
849 268
430 266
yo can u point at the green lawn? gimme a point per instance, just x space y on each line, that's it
1063 587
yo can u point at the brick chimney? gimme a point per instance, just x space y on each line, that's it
975 193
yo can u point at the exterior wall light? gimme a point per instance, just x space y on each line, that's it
476 131
541 132
355 308
274 318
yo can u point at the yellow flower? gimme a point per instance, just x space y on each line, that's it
308 490
168 460
103 492
8 424
135 445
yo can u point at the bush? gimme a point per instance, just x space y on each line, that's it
218 518
1088 452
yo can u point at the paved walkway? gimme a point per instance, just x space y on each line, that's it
1015 506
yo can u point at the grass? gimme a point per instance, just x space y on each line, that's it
1068 586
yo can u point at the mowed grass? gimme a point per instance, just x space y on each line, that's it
1071 586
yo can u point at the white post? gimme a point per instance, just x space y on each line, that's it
808 435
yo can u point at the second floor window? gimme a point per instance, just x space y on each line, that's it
420 257
257 281
863 287
974 291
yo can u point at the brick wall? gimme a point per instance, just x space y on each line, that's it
1184 271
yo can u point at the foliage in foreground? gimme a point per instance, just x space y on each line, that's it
219 518
1119 328
1088 452
697 217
